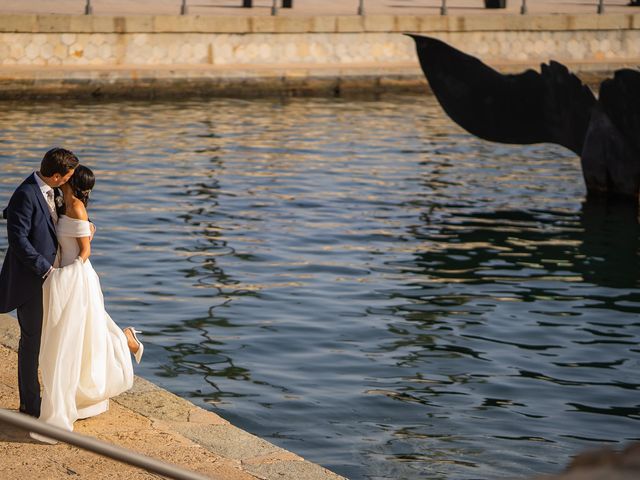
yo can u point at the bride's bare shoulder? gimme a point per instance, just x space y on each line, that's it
77 210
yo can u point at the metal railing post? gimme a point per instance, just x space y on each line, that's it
88 9
600 7
183 9
29 424
274 8
523 7
361 7
443 7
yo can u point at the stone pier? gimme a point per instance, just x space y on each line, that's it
149 420
172 55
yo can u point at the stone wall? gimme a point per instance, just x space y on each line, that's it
64 56
295 48
253 41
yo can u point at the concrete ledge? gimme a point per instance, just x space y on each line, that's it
153 421
241 81
313 24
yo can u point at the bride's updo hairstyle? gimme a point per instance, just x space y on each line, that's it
81 183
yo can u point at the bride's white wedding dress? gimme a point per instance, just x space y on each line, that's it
84 357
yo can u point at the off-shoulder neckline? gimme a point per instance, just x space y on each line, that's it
74 219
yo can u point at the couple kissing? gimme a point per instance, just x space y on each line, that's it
84 357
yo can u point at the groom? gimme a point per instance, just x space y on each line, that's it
31 217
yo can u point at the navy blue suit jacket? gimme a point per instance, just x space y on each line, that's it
32 246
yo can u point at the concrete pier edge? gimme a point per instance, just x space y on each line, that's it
255 457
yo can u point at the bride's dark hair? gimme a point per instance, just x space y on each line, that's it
81 183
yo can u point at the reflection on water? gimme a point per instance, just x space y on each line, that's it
360 281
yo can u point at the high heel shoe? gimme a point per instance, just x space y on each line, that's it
138 354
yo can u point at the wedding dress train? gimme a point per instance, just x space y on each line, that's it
84 357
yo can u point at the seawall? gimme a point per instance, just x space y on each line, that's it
164 55
148 420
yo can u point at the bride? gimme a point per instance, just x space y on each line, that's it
84 356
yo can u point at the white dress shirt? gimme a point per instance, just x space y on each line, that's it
44 188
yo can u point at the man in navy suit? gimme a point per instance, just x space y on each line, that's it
31 218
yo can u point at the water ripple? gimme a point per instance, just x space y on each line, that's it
360 281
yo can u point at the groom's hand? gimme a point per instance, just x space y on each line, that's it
49 272
92 227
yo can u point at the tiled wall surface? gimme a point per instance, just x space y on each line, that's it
302 48
157 40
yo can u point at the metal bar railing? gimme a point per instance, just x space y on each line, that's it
94 445
184 10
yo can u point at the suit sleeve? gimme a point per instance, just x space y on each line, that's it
19 215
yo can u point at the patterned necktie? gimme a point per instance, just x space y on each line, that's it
52 206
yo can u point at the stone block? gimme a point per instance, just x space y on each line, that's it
172 23
285 468
139 23
489 23
349 24
541 23
407 23
262 24
613 21
433 23
53 23
293 24
379 23
102 24
81 23
223 24
324 24
18 23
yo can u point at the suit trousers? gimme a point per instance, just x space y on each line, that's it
30 320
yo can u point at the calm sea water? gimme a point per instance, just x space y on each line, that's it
359 281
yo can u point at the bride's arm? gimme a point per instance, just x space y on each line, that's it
85 248
79 212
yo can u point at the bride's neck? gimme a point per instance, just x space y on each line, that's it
68 196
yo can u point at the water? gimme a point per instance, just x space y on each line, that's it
359 281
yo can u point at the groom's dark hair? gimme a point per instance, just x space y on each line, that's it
58 160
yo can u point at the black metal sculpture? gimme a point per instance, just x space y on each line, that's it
548 106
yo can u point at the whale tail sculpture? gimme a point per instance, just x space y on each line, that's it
548 106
